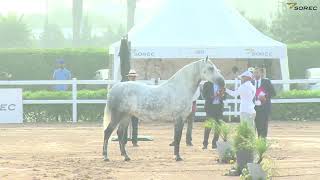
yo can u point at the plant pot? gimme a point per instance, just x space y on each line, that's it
243 158
256 171
223 148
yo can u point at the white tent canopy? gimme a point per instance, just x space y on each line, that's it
196 29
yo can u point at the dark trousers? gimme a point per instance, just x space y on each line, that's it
134 124
190 119
262 119
214 111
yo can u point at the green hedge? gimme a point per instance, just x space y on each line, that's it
63 112
38 64
303 56
297 111
50 95
94 112
34 64
300 94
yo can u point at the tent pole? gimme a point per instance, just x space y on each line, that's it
116 66
285 72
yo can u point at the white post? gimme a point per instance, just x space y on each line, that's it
130 130
74 100
235 98
116 66
285 72
229 109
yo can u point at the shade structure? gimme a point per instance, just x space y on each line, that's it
196 29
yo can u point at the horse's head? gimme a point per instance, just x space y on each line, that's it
209 72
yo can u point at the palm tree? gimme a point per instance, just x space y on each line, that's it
77 9
15 33
131 7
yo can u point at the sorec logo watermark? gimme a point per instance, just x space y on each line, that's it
252 52
7 107
137 53
297 7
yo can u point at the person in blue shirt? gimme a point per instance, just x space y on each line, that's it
61 73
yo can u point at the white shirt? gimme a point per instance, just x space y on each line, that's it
216 99
247 93
196 94
257 82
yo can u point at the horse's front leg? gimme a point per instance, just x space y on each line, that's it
178 127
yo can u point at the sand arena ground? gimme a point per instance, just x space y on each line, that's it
66 151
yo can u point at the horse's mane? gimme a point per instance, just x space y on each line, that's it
194 66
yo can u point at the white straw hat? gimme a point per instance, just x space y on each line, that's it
246 74
132 73
251 69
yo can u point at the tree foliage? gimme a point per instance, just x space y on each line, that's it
52 37
296 25
131 7
77 11
291 26
14 32
86 31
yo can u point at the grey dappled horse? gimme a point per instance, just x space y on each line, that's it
171 100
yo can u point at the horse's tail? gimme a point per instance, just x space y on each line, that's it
106 117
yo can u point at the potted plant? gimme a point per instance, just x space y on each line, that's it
224 147
256 170
213 124
243 143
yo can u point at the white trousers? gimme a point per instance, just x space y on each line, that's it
249 118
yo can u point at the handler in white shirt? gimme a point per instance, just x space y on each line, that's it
247 93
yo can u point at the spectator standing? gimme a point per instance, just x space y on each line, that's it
264 92
61 73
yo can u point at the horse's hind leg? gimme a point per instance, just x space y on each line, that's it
178 127
107 133
114 121
122 137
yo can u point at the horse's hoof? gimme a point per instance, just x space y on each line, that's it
135 145
179 158
127 159
106 159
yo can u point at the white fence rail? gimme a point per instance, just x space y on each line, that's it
75 101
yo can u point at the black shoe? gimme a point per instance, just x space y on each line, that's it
233 172
214 146
171 144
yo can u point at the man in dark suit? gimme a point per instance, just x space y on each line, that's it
264 92
132 75
213 95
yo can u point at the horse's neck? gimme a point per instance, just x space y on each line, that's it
186 79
